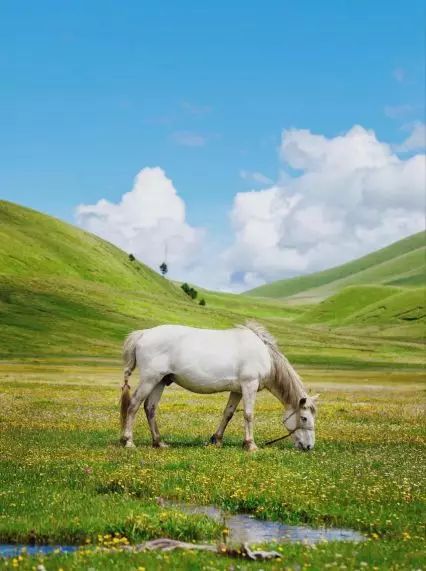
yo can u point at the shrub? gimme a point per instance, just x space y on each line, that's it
190 291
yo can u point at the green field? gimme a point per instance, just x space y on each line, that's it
67 299
64 478
386 310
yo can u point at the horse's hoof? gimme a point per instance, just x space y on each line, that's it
160 444
215 441
250 446
129 444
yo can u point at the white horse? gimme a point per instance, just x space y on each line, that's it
243 361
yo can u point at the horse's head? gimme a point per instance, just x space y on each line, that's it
300 422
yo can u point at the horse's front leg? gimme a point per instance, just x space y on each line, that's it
150 406
228 413
249 390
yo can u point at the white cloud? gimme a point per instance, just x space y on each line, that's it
350 195
146 221
353 194
255 176
189 139
416 141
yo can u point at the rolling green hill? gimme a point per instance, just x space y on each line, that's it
344 304
63 290
66 294
389 310
401 263
34 244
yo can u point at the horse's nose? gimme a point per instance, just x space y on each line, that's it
308 447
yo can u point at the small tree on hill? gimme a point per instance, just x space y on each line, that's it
164 268
202 301
132 258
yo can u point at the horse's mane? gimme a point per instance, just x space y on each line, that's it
284 377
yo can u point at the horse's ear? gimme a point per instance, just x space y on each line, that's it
302 401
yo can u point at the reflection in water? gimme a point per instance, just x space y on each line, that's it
7 550
245 528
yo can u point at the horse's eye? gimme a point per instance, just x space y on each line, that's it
303 418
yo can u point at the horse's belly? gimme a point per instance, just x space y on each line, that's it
207 386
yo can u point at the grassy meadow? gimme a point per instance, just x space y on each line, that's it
67 299
65 479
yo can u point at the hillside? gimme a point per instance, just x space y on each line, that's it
63 290
401 263
388 310
344 304
68 295
34 244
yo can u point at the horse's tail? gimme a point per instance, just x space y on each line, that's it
129 360
129 353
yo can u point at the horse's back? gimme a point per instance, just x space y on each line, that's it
219 358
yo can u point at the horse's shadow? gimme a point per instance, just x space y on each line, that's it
183 444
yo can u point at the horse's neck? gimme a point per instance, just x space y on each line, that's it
286 385
273 389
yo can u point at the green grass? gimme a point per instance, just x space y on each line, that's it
403 262
54 302
343 305
391 271
34 244
85 319
65 479
402 306
378 305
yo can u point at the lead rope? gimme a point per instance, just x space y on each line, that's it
290 432
280 438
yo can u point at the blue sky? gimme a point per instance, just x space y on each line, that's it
95 91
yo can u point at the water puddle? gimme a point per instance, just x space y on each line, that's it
8 550
245 528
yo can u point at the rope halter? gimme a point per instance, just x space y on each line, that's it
290 432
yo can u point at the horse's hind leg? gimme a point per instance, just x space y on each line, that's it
145 387
249 390
150 406
228 413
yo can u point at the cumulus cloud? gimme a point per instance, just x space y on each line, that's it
416 141
350 195
147 221
337 198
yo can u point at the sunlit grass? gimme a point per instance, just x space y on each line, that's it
65 479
